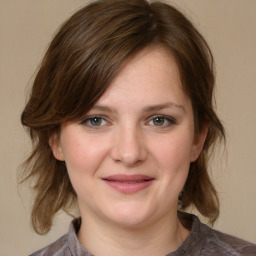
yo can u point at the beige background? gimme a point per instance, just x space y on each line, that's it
229 26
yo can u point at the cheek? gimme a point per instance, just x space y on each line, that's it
173 161
83 156
173 152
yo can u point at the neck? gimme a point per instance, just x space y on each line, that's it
158 238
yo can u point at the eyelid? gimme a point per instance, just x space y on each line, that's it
85 119
170 119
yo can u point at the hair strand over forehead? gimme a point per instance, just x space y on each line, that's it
82 60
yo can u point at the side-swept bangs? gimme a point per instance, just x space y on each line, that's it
82 60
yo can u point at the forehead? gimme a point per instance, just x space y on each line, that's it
153 59
149 79
153 69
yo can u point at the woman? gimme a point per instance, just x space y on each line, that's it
122 119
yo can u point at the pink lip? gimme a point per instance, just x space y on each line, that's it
128 184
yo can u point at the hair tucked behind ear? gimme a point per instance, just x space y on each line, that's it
83 58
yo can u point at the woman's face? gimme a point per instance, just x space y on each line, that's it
128 157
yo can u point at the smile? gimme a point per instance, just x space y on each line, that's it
128 184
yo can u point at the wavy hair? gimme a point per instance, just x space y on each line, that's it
82 60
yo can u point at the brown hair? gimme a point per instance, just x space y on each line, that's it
83 58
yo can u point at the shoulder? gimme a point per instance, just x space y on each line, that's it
205 241
59 247
66 245
218 243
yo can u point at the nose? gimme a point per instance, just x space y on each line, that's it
129 147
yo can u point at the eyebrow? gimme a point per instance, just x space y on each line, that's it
163 106
102 108
146 109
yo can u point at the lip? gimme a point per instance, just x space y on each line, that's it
128 184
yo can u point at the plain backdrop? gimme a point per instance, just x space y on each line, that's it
230 28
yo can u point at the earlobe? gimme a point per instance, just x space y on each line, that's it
54 143
198 144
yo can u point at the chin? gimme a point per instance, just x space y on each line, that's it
130 216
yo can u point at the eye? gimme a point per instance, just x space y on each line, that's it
161 121
94 121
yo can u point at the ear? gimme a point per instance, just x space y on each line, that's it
198 143
54 142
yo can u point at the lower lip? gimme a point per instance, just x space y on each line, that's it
128 188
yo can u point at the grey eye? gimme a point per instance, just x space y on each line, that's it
162 121
95 121
159 121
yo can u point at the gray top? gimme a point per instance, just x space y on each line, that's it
202 240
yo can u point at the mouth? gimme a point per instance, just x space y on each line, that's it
128 184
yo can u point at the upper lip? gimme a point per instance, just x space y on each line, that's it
125 177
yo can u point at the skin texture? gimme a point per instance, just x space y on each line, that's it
143 124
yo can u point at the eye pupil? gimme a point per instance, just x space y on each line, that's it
96 121
158 121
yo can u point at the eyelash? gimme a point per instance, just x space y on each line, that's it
170 120
86 121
